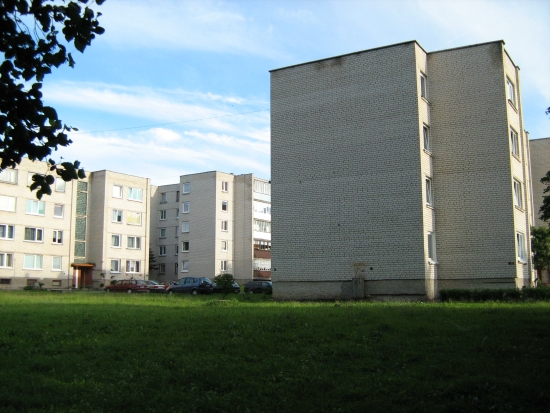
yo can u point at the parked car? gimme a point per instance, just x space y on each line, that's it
258 287
155 287
127 286
191 285
236 288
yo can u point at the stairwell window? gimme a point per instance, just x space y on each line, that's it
520 241
186 208
224 245
518 194
223 266
510 91
423 86
426 135
429 192
514 142
432 256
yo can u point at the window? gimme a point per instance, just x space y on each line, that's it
33 234
429 192
162 215
163 198
514 142
185 226
262 226
177 235
9 176
423 86
132 266
117 191
162 233
7 231
177 249
186 188
162 268
58 211
184 266
223 266
510 91
134 194
224 225
57 237
224 206
7 203
115 265
262 187
176 268
5 281
162 251
115 241
59 185
133 218
185 207
431 247
224 245
426 134
177 213
35 207
185 246
262 207
117 216
56 263
225 186
518 194
6 260
520 241
32 262
29 178
134 242
262 245
56 283
177 196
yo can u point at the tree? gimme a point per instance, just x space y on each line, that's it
225 282
152 261
545 207
31 44
540 245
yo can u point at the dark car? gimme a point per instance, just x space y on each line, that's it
127 286
258 287
155 287
191 285
236 288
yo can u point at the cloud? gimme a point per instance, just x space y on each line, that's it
230 141
187 25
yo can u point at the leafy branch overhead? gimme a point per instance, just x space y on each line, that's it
32 44
544 210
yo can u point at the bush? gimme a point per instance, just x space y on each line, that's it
502 294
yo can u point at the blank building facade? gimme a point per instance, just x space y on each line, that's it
398 172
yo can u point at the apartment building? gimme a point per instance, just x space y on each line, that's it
207 225
399 172
540 165
85 233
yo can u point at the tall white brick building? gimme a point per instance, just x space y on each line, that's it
210 223
86 233
398 172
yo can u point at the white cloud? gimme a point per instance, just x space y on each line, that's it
191 25
230 141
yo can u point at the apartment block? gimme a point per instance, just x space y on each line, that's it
399 172
86 233
540 165
207 225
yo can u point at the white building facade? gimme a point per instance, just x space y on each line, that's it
398 172
81 235
212 223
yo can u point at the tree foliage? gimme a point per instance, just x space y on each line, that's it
540 245
32 45
152 261
225 282
544 210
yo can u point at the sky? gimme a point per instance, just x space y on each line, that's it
176 87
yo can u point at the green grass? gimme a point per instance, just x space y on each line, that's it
122 353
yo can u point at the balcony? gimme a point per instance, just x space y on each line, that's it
262 254
264 275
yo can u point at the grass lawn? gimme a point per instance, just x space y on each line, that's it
100 352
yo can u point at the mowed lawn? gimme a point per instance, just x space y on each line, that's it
101 352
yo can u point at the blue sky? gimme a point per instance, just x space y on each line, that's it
182 86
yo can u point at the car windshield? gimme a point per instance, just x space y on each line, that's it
206 280
153 283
